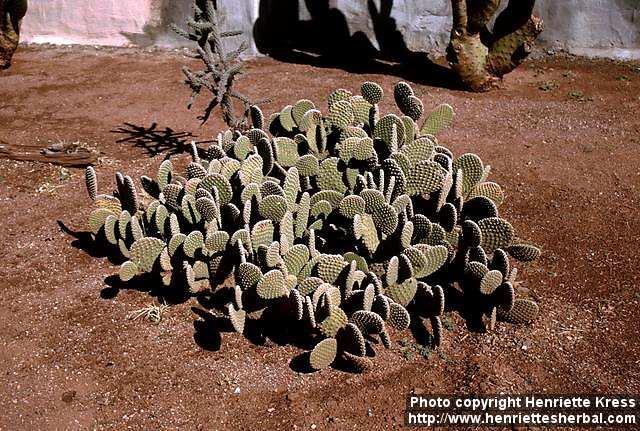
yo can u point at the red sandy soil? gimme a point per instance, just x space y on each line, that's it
70 358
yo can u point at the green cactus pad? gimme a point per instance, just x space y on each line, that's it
524 252
384 128
196 170
176 241
272 257
286 151
189 209
364 228
351 340
489 190
257 117
496 233
308 165
351 205
192 243
335 321
505 296
207 208
248 275
272 285
404 292
128 270
448 217
438 120
286 118
399 317
273 207
228 167
412 107
426 177
436 234
97 219
251 170
331 196
472 170
108 202
471 234
164 174
372 92
380 305
329 177
242 148
385 219
367 322
91 182
361 109
309 285
300 108
320 210
216 241
145 252
361 262
373 199
339 95
310 120
436 256
237 318
329 267
262 234
500 262
323 354
110 229
490 282
249 191
172 193
401 92
524 311
391 274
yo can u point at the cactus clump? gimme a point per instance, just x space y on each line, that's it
343 224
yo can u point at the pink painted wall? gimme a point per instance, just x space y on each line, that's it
92 22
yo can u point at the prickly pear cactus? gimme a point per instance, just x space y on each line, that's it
341 224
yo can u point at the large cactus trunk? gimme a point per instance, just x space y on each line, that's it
11 13
481 56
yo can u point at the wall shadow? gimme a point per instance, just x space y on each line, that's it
325 40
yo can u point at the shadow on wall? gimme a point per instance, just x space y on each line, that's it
325 41
166 12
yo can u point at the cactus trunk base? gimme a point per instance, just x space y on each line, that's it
11 12
481 57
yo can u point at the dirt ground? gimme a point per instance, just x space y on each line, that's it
562 136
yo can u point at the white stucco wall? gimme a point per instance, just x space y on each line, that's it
592 27
102 22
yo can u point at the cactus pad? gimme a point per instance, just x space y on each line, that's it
438 120
399 317
368 322
272 285
237 318
128 270
523 311
426 177
496 233
524 252
404 292
145 252
323 354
